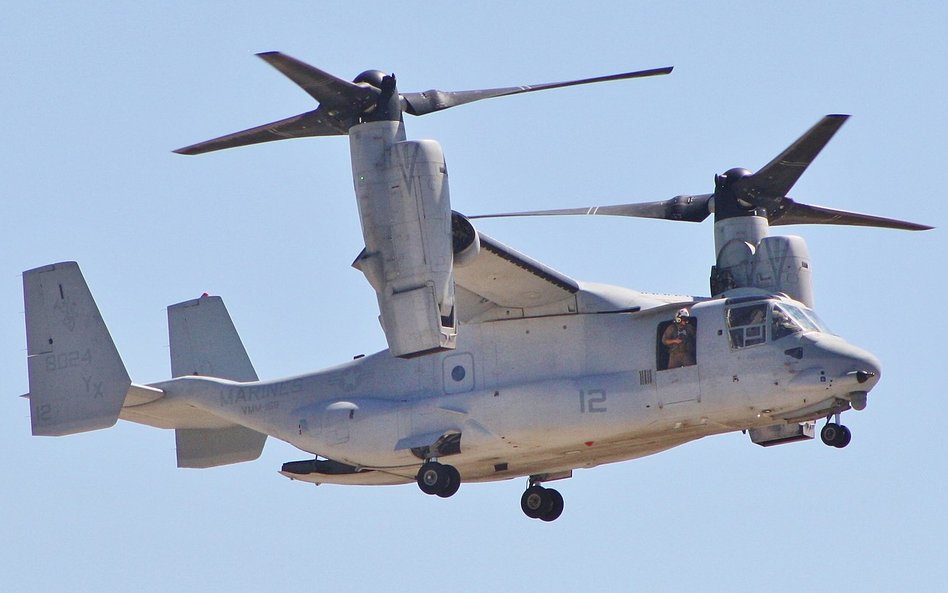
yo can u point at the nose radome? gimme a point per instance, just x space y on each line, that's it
860 364
861 381
846 364
869 371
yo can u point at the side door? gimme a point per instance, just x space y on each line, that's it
677 385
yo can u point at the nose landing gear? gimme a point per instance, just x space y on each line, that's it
438 479
835 434
541 503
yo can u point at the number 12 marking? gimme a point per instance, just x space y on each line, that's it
592 401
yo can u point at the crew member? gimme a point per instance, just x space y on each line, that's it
679 339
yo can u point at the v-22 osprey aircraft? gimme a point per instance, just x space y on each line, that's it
497 365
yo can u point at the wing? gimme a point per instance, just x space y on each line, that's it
502 283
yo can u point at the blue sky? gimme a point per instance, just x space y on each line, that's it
97 94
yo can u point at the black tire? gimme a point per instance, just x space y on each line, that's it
453 483
830 434
557 506
432 478
536 502
843 438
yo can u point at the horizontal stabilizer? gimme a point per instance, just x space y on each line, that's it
77 380
205 342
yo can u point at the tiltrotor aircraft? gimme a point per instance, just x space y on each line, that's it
498 366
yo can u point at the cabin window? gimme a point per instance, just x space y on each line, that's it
747 326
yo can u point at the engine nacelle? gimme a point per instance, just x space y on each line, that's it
748 258
782 264
776 264
404 204
466 241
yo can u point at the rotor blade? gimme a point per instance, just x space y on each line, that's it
685 208
311 123
435 100
776 178
794 213
329 90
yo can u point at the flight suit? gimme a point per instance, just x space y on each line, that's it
679 338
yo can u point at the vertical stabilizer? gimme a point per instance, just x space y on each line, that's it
77 380
211 447
205 342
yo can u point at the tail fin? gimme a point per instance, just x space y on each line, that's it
205 342
77 380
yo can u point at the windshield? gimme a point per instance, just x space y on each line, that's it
748 324
816 320
786 319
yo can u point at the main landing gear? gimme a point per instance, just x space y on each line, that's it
541 503
537 502
835 434
438 479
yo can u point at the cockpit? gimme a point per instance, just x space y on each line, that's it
754 323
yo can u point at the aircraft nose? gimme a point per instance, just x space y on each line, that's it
849 371
871 370
848 359
867 370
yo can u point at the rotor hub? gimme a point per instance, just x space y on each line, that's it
732 175
373 78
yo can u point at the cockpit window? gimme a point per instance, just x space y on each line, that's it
783 323
747 325
820 324
787 319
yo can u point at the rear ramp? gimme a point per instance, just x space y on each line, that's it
204 342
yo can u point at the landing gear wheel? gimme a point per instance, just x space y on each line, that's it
437 479
541 503
535 502
835 435
557 507
454 482
845 435
829 433
432 478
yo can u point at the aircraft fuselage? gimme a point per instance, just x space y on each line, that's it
542 396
